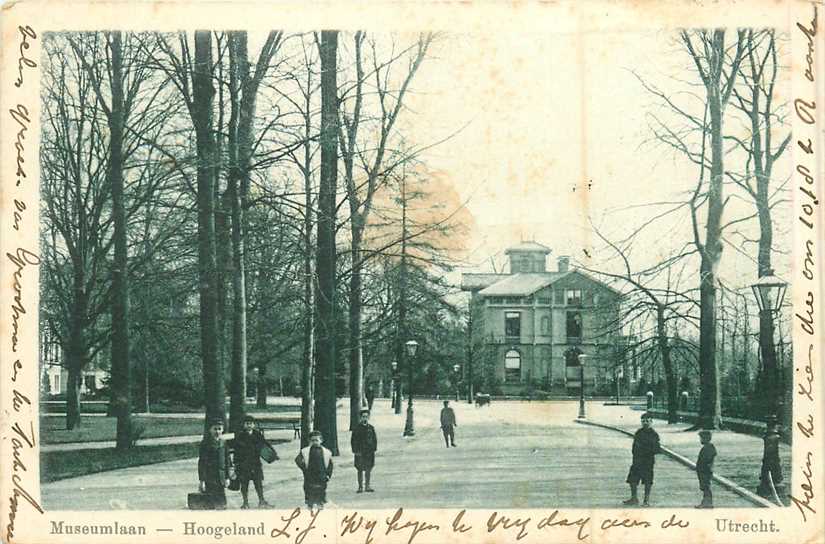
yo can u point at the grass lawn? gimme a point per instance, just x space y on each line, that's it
745 471
97 428
59 465
94 429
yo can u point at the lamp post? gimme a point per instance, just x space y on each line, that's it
456 370
582 410
770 292
396 388
409 428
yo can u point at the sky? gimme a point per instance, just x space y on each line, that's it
552 130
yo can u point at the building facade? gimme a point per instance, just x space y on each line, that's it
530 326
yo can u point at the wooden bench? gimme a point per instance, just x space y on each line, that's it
482 399
278 424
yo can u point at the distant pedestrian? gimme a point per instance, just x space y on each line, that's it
364 444
370 394
704 468
214 467
448 424
315 461
645 447
246 449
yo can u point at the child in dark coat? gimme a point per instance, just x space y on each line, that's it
315 461
364 443
247 455
213 465
645 447
704 468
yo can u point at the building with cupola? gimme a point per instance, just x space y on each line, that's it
531 325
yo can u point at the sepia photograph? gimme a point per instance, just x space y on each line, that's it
547 267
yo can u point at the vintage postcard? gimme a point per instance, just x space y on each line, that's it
412 272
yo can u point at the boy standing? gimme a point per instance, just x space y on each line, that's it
704 468
364 443
247 454
448 424
214 468
315 461
645 447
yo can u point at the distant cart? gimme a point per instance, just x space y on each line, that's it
482 399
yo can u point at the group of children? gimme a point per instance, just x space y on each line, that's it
218 465
646 446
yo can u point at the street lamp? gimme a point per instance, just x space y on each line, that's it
409 428
770 292
582 411
456 369
396 388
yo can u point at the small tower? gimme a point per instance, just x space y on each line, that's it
528 257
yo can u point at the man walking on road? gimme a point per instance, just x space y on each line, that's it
645 447
448 424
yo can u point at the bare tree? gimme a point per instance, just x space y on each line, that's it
370 156
756 101
717 65
325 353
665 303
91 137
244 91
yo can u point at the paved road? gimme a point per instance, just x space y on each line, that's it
509 455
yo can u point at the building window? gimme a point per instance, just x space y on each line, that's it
90 382
544 301
513 300
559 294
512 367
524 265
574 297
512 325
574 327
545 324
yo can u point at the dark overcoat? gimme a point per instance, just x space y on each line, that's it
212 464
645 447
364 443
247 451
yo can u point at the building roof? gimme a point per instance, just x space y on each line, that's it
529 246
521 284
474 282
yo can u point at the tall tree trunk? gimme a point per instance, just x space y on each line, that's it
238 78
667 363
308 367
356 366
325 413
121 372
73 396
718 72
244 92
203 93
710 406
76 353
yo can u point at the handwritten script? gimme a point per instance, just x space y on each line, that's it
804 496
21 264
506 526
